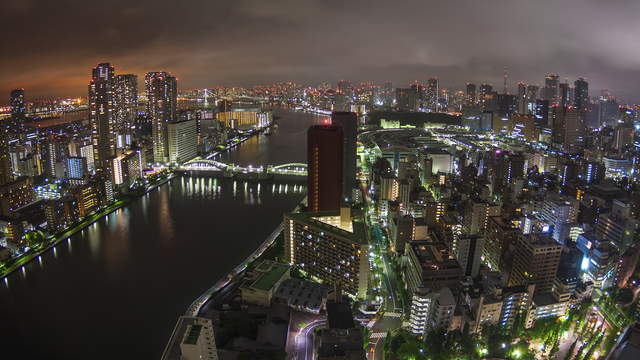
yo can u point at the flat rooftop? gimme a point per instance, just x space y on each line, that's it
434 255
271 273
357 235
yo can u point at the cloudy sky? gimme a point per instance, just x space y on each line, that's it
49 47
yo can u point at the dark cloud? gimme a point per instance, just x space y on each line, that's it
49 47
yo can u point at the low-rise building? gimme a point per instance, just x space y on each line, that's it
545 305
302 295
263 281
192 339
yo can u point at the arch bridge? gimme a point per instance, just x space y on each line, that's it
290 169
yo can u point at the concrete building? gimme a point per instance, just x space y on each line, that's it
431 310
101 115
324 158
192 339
262 282
330 246
535 261
182 140
431 265
162 93
545 305
499 236
15 195
599 260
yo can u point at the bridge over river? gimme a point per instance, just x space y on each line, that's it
291 171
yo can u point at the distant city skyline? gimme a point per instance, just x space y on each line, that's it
249 42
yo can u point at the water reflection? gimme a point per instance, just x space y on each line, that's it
147 262
249 192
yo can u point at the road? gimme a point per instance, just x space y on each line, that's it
392 311
304 340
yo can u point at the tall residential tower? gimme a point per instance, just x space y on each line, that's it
101 115
162 93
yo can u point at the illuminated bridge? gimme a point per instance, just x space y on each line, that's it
294 171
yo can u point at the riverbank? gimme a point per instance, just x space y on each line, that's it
238 272
54 240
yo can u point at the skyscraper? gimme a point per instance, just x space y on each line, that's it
485 90
6 170
348 121
532 96
564 94
581 94
101 115
551 89
432 94
522 98
162 93
471 94
535 261
18 111
125 105
324 157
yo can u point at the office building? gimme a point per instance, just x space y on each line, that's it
182 140
544 306
330 246
599 260
324 172
162 92
348 121
557 211
535 261
101 115
125 108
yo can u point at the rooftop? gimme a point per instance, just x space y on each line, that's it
272 272
434 255
193 333
357 235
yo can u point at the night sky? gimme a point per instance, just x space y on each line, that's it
49 47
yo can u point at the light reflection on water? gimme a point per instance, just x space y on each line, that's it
148 261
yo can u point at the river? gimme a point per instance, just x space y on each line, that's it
116 289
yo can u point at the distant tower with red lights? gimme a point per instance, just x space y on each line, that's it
325 167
